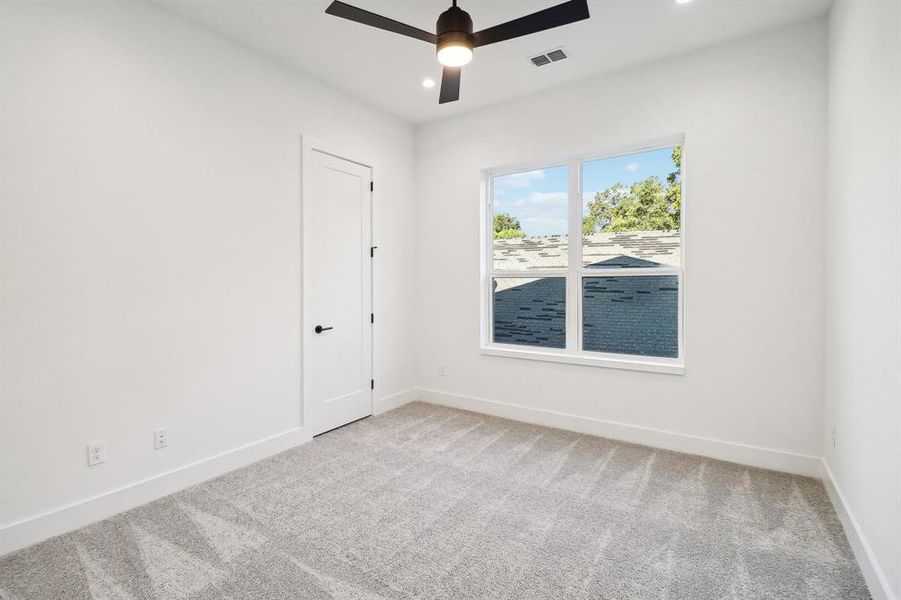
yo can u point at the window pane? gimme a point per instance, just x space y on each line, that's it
631 210
530 220
530 312
631 315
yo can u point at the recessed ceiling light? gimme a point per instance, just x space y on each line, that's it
682 1
428 83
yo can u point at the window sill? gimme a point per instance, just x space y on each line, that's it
653 365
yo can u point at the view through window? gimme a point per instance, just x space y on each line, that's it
618 291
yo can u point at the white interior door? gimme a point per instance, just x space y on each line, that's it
340 294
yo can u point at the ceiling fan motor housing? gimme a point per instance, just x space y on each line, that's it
454 28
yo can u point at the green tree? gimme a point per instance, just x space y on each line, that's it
506 226
674 191
646 205
505 234
504 221
600 209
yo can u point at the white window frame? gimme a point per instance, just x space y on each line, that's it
574 272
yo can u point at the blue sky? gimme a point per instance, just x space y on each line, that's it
538 198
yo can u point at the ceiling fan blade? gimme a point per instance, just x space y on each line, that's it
352 13
450 85
555 16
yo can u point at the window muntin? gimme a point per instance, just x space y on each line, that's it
616 298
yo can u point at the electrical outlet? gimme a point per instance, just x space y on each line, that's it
442 369
160 438
96 453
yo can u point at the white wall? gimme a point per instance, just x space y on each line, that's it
753 113
150 244
863 333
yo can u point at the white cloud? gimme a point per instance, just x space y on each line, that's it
538 199
539 213
544 226
632 167
518 180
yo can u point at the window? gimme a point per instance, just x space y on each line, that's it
614 298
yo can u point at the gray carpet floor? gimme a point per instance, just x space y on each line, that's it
430 502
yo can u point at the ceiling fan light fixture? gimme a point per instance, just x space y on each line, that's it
454 29
455 54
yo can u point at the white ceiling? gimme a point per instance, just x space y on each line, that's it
386 70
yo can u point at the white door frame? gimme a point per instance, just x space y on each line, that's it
308 145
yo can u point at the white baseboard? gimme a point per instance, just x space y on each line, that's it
875 577
754 456
382 405
34 529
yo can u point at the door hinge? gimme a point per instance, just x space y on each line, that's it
371 186
372 384
372 317
372 251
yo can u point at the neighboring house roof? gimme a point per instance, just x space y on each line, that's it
547 252
532 313
621 314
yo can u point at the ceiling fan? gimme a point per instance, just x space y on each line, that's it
455 39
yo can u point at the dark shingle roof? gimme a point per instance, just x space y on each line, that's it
631 315
532 313
621 314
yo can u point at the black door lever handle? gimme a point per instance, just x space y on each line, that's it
320 328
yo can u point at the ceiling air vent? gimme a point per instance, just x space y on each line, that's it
556 55
548 57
